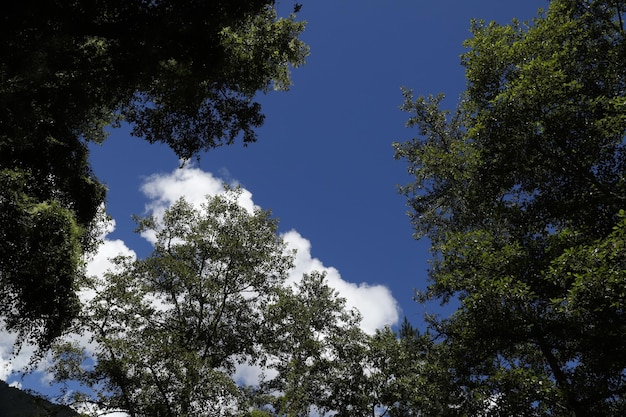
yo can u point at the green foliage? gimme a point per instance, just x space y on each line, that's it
520 193
182 73
314 337
42 248
170 329
168 332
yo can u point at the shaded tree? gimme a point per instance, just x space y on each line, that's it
183 73
516 190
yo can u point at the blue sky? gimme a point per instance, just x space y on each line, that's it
324 162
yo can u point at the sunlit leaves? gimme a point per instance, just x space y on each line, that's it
265 44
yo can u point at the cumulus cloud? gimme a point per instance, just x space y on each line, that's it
375 302
8 362
101 262
190 183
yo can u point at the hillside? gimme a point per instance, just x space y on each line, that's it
17 403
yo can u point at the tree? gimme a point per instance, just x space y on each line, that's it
520 192
322 363
183 73
314 339
167 333
377 376
391 374
170 329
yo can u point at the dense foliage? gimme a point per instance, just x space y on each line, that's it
521 193
165 335
180 72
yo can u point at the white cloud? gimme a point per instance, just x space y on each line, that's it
193 184
100 262
375 302
251 375
7 361
94 410
12 363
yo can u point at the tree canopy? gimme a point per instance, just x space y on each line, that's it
165 335
521 192
184 73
